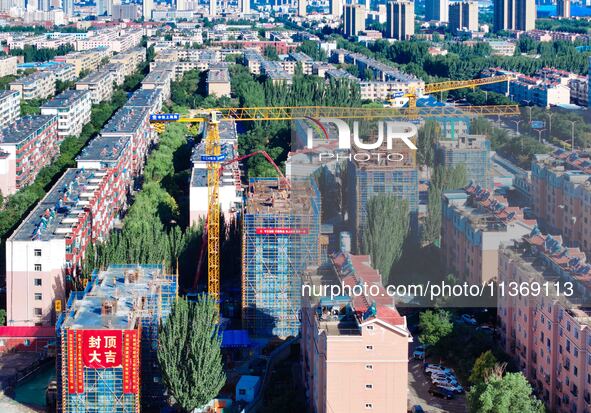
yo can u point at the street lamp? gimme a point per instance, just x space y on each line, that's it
540 134
517 122
572 134
550 114
528 107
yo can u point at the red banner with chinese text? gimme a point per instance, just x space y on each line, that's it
71 361
79 366
102 349
282 231
131 361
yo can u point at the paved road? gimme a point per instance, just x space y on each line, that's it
418 393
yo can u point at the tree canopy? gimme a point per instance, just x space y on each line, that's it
434 325
507 394
483 367
189 352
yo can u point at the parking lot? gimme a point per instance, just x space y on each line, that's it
418 385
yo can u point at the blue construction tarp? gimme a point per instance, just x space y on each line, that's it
235 338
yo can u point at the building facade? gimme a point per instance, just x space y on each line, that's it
38 85
72 108
10 107
354 349
514 15
463 16
400 19
99 84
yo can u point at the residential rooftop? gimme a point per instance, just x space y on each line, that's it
24 127
104 148
158 76
218 75
277 197
96 77
6 93
58 212
66 99
127 120
32 78
144 98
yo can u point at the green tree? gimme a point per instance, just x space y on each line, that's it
428 135
388 221
443 179
504 394
189 353
483 367
434 325
2 317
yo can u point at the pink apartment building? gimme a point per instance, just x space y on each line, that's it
549 334
354 349
561 195
26 146
474 224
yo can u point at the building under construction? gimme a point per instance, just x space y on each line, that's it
281 231
382 175
108 338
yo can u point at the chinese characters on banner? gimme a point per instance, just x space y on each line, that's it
71 346
131 361
101 349
282 231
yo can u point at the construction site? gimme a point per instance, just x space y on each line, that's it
101 335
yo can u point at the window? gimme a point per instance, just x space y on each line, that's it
1 343
37 282
37 252
370 327
38 267
370 367
27 342
38 296
369 348
38 311
368 406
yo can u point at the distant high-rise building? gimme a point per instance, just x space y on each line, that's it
68 7
147 8
245 6
514 15
463 15
125 11
336 8
104 7
302 4
181 4
213 7
436 10
43 5
400 19
563 8
353 19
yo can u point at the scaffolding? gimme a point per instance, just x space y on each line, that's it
472 151
130 299
281 231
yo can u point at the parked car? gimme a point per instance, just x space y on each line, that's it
417 409
468 319
437 368
485 329
456 388
441 392
449 378
419 353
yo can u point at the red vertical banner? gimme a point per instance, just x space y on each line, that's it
127 362
131 361
71 360
79 366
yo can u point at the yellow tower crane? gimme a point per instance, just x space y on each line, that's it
215 160
454 85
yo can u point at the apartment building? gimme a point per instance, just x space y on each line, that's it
45 253
145 98
549 334
561 195
514 15
99 84
38 85
474 225
159 79
85 61
400 19
463 16
353 19
130 60
354 349
117 71
230 191
134 123
275 72
73 110
116 40
26 146
303 59
10 108
62 71
218 82
8 65
471 151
